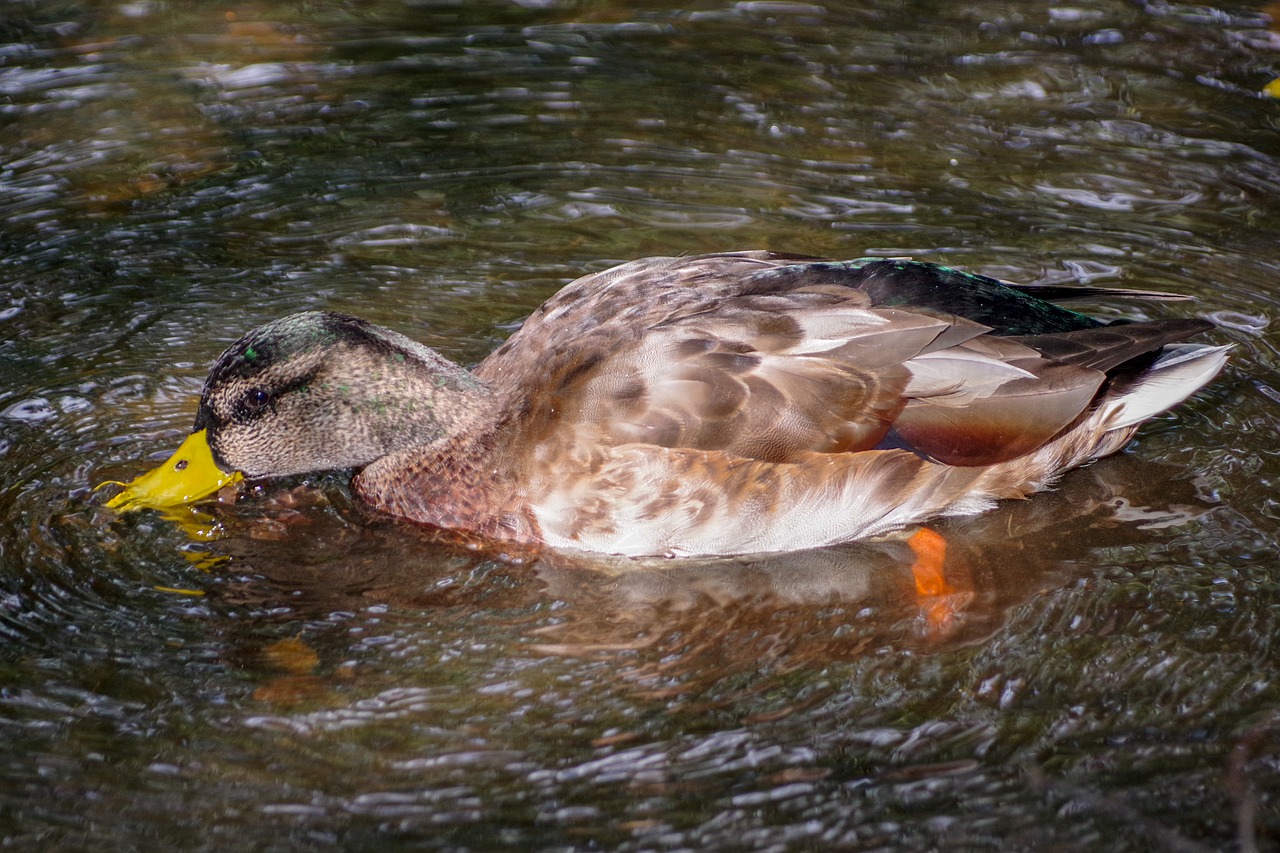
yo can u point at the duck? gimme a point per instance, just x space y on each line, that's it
702 405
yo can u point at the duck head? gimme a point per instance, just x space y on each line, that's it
315 391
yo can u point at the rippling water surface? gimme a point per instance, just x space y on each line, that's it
281 675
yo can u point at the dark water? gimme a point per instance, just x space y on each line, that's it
1105 675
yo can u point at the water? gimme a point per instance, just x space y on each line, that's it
1104 676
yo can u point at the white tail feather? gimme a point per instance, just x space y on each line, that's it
1178 373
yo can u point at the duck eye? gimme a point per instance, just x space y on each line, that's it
254 402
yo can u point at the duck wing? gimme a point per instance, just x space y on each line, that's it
770 358
698 353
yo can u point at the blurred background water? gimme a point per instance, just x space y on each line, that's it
174 173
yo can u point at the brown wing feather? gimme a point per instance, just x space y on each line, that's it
1110 346
1015 419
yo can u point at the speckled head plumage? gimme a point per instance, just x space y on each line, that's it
350 392
281 340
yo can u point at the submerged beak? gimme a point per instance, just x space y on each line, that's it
186 476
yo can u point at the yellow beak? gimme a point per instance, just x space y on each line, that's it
186 476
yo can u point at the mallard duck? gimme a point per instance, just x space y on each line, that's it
711 405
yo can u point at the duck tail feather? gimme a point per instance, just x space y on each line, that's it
1178 372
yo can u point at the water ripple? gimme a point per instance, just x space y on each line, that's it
174 175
